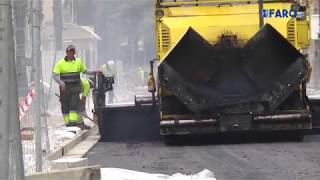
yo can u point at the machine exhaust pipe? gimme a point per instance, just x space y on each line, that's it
170 123
283 118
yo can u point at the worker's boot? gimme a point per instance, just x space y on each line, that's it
82 126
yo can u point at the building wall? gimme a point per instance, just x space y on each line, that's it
314 46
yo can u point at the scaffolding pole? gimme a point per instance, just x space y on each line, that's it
10 137
36 55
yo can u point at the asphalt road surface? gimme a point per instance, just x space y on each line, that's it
239 161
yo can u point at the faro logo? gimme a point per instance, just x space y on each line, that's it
279 13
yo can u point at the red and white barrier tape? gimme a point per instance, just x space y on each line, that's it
26 103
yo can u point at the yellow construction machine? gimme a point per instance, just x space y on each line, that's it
223 66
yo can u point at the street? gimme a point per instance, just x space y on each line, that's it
239 161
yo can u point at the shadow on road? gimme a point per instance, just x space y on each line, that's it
222 139
235 138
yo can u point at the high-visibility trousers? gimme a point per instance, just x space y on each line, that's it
70 101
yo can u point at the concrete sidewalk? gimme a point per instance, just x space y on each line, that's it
73 153
82 173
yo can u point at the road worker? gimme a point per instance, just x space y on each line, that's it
86 85
66 73
108 70
141 76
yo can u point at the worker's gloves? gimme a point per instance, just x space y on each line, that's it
98 72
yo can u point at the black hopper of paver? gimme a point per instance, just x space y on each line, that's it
229 78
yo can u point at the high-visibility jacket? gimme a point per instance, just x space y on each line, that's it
85 87
69 70
141 73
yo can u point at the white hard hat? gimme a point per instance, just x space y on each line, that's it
110 63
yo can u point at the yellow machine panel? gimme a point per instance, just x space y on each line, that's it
211 21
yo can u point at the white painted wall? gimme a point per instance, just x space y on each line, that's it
315 26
